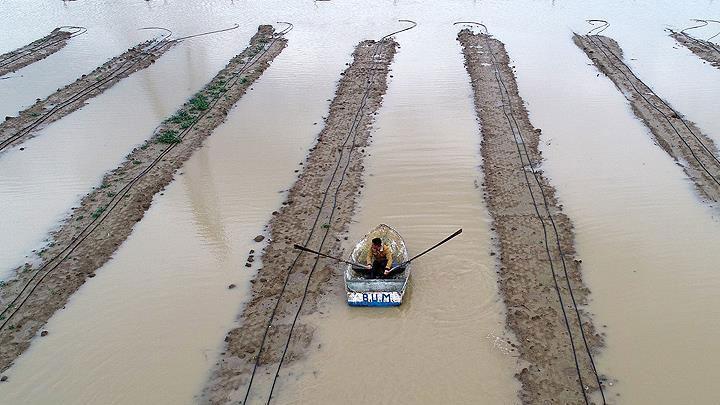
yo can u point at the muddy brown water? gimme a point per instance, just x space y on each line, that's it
644 237
35 196
147 328
429 349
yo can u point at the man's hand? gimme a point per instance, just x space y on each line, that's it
368 267
387 271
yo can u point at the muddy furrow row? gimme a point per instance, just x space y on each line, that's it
706 50
106 216
680 138
34 51
15 130
317 211
538 271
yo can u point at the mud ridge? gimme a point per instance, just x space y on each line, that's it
34 51
680 138
111 210
339 145
15 130
526 260
706 50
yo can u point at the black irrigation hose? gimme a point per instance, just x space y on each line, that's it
517 136
90 227
717 33
667 118
156 45
42 45
127 65
707 42
236 26
353 130
598 30
351 133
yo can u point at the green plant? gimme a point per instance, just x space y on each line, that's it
218 86
169 137
199 102
98 212
181 116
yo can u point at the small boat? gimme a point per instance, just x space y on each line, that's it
362 291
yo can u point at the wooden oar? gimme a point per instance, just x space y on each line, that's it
458 232
296 246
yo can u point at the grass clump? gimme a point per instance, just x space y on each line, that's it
169 137
218 87
98 212
199 103
184 118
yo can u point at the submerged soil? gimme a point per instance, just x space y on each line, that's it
34 51
317 212
680 138
106 216
706 50
74 96
531 276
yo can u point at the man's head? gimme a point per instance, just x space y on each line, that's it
377 242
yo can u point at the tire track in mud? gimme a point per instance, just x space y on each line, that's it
285 273
16 130
680 138
106 216
539 278
36 50
705 50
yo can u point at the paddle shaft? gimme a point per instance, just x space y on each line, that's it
296 246
458 232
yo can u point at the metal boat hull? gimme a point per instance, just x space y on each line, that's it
388 292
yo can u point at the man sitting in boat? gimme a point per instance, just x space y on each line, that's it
379 259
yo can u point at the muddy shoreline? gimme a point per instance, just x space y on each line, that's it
706 50
334 164
106 216
15 130
526 259
26 55
680 138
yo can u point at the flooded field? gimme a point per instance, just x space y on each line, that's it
418 352
150 326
